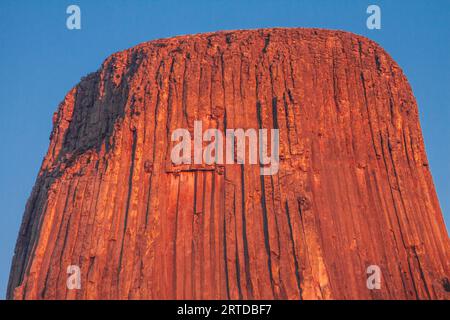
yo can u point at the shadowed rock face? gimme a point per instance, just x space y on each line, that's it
353 189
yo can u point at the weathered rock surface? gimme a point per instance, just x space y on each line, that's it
354 188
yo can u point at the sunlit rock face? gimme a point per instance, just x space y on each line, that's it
353 188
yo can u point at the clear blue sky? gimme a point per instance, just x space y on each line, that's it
40 60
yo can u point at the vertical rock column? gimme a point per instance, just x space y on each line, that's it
353 189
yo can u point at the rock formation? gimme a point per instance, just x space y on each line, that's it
353 189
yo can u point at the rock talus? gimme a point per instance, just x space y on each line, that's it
353 189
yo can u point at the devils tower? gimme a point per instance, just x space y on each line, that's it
353 189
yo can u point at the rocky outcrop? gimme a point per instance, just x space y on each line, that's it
353 188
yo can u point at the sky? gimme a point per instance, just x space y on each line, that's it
41 60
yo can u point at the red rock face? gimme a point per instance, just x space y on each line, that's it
353 189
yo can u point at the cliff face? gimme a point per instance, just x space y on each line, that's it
353 188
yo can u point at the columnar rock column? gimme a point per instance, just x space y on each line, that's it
353 189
